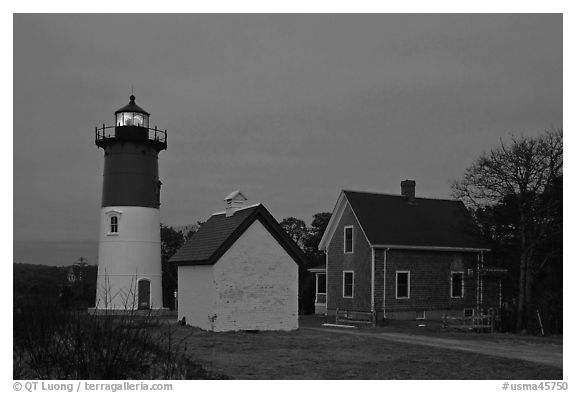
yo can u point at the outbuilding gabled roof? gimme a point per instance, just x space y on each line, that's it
395 221
220 232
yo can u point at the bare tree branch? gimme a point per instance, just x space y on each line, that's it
524 169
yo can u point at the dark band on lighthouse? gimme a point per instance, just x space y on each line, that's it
131 159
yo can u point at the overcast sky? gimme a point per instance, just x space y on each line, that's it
290 109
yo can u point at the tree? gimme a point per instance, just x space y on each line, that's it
316 231
296 229
521 173
307 238
171 240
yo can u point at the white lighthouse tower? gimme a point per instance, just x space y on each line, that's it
129 263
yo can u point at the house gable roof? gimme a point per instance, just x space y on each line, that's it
392 221
219 233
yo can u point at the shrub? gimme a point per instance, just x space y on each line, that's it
52 343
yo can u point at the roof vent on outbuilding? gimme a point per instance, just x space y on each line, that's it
234 202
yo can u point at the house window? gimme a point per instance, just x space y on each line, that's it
348 240
348 284
468 312
321 284
402 284
457 285
113 224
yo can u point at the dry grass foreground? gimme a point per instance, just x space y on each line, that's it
53 343
312 354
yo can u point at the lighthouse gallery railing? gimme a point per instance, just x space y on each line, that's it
109 132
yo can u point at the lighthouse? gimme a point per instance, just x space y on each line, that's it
129 262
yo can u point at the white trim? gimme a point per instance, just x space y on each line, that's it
403 271
333 222
326 252
344 282
423 317
384 294
337 215
111 214
429 248
113 211
335 219
372 283
452 272
359 224
352 244
317 270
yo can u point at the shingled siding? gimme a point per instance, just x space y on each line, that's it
430 276
360 262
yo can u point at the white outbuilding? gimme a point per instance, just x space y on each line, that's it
239 272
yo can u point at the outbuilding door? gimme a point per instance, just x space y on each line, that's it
143 294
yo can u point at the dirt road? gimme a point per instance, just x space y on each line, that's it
548 354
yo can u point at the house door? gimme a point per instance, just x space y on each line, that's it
144 294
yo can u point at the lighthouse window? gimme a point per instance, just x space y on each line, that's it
131 119
114 224
138 119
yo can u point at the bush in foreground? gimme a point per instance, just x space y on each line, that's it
52 343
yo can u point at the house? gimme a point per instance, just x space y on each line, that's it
239 272
319 272
76 271
403 257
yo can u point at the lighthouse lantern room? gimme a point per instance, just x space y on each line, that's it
129 263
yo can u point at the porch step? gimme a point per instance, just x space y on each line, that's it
337 325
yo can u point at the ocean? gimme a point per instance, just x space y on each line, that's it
55 253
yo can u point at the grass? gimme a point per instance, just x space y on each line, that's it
309 354
53 343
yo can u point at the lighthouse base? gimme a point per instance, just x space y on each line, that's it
129 259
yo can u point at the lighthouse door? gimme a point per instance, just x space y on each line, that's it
143 294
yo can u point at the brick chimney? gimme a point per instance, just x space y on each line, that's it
409 190
234 202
